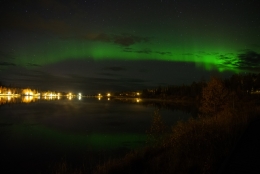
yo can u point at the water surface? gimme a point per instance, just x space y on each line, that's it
42 132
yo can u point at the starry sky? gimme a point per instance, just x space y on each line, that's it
112 45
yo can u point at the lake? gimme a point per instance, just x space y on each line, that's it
37 134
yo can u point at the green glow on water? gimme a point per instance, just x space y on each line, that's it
63 139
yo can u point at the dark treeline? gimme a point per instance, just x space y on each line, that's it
175 92
239 83
243 83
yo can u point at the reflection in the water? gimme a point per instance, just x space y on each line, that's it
5 99
52 96
28 99
47 131
129 100
69 97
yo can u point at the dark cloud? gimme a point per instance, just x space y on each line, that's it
124 40
146 51
115 68
33 64
245 60
164 53
135 80
249 58
128 49
7 64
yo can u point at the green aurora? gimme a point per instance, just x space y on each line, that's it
207 56
211 35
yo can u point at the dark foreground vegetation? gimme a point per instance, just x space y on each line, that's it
199 145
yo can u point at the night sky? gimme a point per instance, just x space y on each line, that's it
109 45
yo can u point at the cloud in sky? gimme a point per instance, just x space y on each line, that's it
124 40
115 68
243 60
146 51
7 64
249 58
33 65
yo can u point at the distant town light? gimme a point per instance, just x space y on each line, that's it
108 94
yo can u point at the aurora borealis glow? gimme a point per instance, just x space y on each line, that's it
104 40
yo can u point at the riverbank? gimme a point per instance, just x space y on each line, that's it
196 146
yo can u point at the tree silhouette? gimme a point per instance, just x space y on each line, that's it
214 96
157 129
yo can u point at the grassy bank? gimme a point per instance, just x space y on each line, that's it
196 146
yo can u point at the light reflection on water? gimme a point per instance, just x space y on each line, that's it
10 99
56 127
28 99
